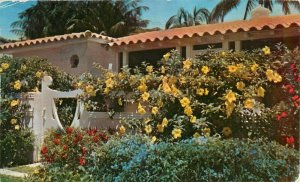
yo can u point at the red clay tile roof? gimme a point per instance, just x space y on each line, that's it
272 22
85 34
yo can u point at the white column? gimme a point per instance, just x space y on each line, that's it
125 58
225 45
189 51
178 49
237 45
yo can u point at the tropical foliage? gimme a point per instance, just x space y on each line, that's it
136 158
112 18
218 13
18 77
232 94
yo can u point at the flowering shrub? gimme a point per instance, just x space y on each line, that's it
71 148
226 93
136 158
19 76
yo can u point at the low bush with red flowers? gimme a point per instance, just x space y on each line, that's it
71 147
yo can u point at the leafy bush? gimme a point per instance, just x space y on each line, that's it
136 158
19 76
16 148
71 148
232 94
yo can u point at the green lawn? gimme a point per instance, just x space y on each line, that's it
24 169
5 178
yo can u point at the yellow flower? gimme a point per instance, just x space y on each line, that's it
205 69
148 129
142 87
132 79
185 102
223 53
160 128
89 89
145 96
153 139
166 88
167 56
270 74
149 69
4 66
154 110
35 89
254 67
23 67
14 103
122 129
240 86
249 103
17 127
232 68
200 91
260 92
206 92
229 108
109 83
176 133
277 78
193 119
187 64
226 131
1 70
230 96
17 85
147 120
13 121
266 50
106 90
163 70
39 74
175 91
120 102
141 110
165 122
188 111
196 135
206 132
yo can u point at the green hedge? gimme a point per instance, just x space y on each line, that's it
16 148
135 158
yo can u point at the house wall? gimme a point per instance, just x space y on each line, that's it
59 54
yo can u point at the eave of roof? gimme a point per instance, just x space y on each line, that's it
263 23
86 34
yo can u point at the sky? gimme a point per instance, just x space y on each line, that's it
158 14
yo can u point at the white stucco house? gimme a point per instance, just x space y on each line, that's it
76 52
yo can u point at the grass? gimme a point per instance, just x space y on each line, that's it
24 169
5 178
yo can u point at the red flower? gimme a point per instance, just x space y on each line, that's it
296 104
89 132
56 141
44 150
79 137
105 138
101 134
278 117
290 140
65 147
293 67
64 156
82 161
83 150
96 139
283 114
295 97
69 130
291 90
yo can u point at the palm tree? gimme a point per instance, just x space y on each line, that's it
225 6
48 18
185 19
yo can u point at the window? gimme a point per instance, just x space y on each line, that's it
206 46
74 61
